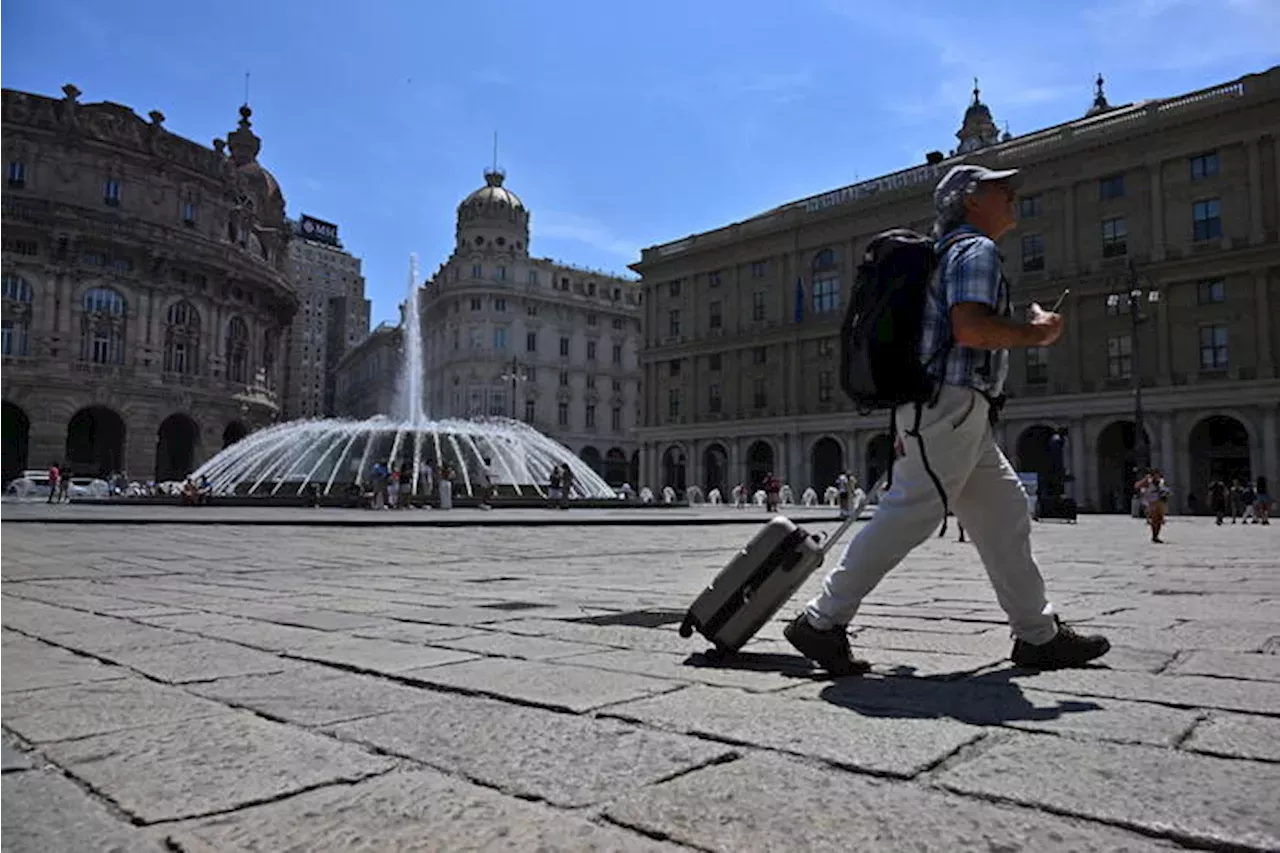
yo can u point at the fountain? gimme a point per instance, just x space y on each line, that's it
336 456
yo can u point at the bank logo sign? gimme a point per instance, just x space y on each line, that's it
318 229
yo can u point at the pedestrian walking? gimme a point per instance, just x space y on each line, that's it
954 382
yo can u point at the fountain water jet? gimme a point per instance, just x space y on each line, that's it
336 456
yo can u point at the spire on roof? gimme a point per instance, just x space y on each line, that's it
1099 98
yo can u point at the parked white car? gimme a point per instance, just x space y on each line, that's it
35 484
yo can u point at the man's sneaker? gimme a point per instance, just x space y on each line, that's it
1067 649
828 649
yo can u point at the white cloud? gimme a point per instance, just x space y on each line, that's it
585 230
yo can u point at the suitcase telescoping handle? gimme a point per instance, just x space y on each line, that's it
830 540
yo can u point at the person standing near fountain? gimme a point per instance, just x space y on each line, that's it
446 487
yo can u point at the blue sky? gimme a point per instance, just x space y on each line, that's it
620 124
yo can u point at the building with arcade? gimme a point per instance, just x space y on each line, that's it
145 289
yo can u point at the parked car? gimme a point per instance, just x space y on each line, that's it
35 484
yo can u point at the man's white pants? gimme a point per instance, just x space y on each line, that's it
986 496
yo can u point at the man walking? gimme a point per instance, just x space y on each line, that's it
968 330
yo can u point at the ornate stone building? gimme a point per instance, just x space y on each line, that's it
1176 196
529 338
145 289
332 317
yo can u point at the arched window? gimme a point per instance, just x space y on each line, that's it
182 339
237 350
102 326
15 329
269 359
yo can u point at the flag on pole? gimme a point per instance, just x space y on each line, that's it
799 298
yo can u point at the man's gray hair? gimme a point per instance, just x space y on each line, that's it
950 208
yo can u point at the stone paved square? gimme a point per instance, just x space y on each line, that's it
224 687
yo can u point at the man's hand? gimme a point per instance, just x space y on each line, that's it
1047 324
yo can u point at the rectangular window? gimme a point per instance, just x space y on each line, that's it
476 303
188 213
533 277
617 354
1213 347
111 192
564 379
757 306
825 386
673 322
713 278
1207 219
564 347
615 420
1032 252
673 367
477 271
1115 237
530 410
616 323
499 304
714 317
617 386
531 342
1204 166
713 361
592 320
673 403
531 373
826 347
1211 291
826 295
1120 357
759 355
591 380
714 401
674 287
759 399
456 339
1037 365
531 310
500 338
591 416
1111 187
17 174
759 269
562 414
1030 206
500 273
591 350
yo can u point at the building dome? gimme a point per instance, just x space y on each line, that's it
493 194
979 128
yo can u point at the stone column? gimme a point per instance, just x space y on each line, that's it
1157 211
734 474
1271 449
693 466
797 477
1075 350
1075 444
1262 306
1256 234
1087 477
1164 341
1070 250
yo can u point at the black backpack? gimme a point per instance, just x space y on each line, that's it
880 366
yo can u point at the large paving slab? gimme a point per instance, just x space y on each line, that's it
418 811
209 764
263 688
46 812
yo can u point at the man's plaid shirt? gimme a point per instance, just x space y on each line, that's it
969 270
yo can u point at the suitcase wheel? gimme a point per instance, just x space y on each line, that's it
686 628
716 654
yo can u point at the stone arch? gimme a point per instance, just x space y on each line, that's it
879 455
233 432
715 468
1117 465
591 457
15 430
826 463
177 441
675 464
761 462
1218 448
1036 453
95 441
615 466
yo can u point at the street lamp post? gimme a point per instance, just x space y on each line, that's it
1132 301
514 375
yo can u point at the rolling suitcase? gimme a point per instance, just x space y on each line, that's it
758 581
